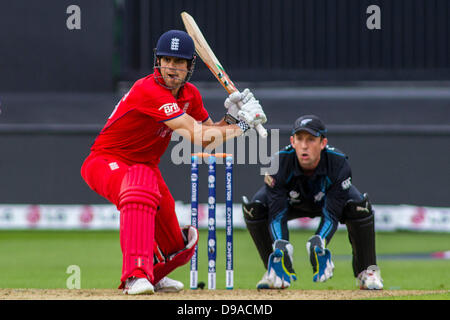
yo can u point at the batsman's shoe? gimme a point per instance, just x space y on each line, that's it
135 286
169 285
320 259
370 279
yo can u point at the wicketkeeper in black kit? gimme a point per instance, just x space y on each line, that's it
313 180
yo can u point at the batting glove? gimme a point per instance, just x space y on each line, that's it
252 113
320 259
232 104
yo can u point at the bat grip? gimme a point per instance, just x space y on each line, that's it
261 130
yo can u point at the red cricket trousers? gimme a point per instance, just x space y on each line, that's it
110 178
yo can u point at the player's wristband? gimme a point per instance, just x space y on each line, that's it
243 125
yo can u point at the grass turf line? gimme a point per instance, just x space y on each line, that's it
39 259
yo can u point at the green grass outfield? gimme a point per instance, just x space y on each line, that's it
39 259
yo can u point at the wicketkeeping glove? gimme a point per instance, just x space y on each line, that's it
320 259
279 269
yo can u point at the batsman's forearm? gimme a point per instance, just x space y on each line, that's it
214 136
205 135
220 123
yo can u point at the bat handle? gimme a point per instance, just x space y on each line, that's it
261 130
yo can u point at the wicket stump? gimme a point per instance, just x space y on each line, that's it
212 245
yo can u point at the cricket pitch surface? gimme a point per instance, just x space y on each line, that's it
237 294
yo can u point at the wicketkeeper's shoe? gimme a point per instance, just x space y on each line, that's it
264 283
135 286
169 285
370 279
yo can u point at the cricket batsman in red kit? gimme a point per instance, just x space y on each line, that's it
123 163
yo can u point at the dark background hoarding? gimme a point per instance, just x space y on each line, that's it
384 93
265 40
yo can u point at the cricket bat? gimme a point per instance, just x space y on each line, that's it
211 61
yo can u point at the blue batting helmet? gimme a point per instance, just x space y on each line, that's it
175 43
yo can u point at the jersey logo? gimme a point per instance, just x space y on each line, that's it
294 194
347 183
319 196
305 122
113 166
174 44
163 131
169 108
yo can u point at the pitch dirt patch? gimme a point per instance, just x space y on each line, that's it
114 294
